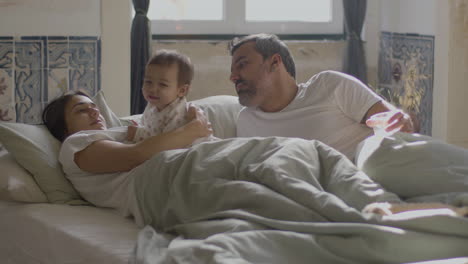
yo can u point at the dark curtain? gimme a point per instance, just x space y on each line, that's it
354 62
140 53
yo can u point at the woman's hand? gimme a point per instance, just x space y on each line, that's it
395 120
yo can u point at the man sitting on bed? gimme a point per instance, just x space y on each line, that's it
331 107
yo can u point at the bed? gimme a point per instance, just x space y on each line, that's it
55 233
44 220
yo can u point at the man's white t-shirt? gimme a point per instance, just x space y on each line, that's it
113 190
329 108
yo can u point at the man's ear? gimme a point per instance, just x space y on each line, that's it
183 90
275 61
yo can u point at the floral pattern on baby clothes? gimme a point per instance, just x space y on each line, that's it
154 122
173 116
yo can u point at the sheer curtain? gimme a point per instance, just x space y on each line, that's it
140 53
354 62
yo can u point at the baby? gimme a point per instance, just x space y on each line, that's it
168 76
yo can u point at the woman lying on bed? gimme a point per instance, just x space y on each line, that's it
197 183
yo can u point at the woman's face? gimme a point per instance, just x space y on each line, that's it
81 113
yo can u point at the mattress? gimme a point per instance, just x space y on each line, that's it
52 233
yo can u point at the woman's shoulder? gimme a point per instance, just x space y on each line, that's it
88 136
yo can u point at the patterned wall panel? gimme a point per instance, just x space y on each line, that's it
406 72
30 63
35 70
7 106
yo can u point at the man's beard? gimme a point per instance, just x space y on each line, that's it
246 97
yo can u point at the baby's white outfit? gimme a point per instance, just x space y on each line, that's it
154 122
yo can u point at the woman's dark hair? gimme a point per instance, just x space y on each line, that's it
53 115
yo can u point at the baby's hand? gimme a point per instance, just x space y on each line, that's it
131 133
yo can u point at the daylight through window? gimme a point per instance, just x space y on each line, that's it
246 16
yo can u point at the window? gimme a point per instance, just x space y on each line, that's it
240 17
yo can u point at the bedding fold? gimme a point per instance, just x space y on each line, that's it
267 200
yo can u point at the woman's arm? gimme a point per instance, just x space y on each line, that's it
106 156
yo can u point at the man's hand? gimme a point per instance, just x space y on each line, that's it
198 121
395 120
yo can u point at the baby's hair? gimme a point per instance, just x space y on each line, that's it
166 57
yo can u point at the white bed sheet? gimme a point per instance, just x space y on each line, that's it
62 234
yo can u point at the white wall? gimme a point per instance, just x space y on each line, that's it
409 16
370 36
115 47
50 18
441 72
457 68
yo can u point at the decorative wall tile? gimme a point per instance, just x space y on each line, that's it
58 52
35 70
7 113
6 52
57 82
406 65
83 79
7 110
6 86
83 52
29 96
30 53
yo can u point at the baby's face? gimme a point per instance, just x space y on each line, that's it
160 86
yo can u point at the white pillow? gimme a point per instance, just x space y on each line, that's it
222 111
36 150
413 165
16 184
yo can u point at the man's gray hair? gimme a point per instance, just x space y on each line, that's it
267 45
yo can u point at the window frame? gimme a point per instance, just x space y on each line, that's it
234 26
